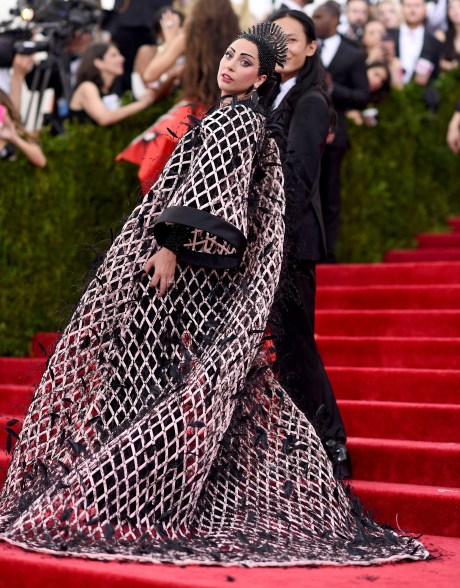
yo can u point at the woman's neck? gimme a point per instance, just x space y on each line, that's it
107 82
286 77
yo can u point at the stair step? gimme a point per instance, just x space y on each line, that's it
21 370
388 323
439 240
409 421
454 222
395 384
15 399
414 255
392 352
362 274
389 297
405 462
415 508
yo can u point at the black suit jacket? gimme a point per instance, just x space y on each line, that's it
431 49
307 131
350 88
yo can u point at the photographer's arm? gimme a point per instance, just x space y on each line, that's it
87 98
22 64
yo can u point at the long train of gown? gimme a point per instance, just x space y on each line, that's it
158 432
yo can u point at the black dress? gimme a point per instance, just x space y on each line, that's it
158 432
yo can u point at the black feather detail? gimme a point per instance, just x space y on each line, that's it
12 422
109 531
64 467
53 416
196 121
65 516
42 467
165 515
172 133
11 432
96 419
77 448
242 537
9 444
288 488
226 340
42 349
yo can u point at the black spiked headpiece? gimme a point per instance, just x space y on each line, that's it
271 43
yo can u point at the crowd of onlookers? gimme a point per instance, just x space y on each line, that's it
154 47
141 46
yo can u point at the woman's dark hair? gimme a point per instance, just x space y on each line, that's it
312 75
5 101
450 53
156 23
87 71
209 30
380 94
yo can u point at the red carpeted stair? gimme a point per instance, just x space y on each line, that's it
389 335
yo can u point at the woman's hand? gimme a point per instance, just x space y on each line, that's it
453 133
170 26
8 131
148 98
164 265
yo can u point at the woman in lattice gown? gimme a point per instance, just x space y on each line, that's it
158 432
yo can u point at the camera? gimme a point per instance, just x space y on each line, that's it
56 20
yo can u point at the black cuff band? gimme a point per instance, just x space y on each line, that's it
199 219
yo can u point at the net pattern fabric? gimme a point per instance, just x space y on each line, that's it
158 432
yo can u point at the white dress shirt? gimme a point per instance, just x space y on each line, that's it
329 48
284 89
410 47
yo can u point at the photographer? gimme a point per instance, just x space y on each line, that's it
93 99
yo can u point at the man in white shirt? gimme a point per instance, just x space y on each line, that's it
418 50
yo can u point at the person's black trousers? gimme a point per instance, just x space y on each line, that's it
329 188
298 364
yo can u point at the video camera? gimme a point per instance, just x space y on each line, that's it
56 20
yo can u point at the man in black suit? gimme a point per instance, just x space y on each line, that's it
349 89
418 50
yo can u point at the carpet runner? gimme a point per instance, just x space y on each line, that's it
389 335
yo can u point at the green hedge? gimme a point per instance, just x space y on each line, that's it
399 179
51 219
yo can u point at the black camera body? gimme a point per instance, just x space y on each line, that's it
58 20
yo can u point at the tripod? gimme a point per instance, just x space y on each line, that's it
57 62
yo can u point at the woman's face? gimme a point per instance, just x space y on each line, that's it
377 76
453 11
112 62
299 48
389 15
373 35
239 68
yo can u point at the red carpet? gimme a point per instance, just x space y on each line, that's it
389 335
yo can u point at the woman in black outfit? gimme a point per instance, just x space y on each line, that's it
303 108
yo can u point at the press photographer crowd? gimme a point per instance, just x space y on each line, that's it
99 62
